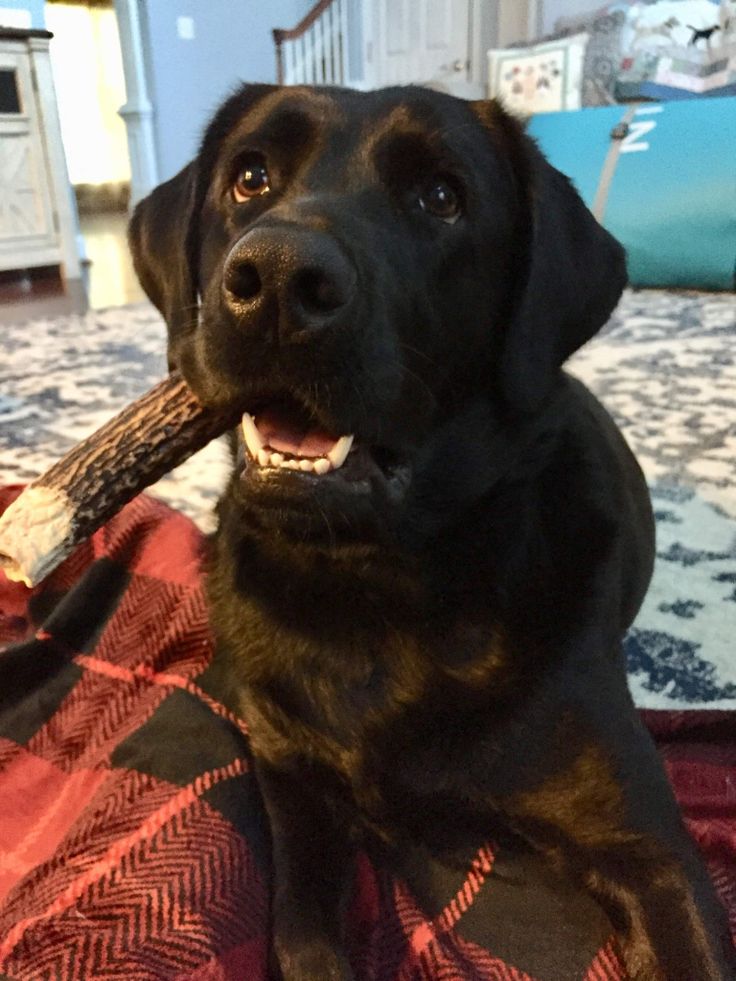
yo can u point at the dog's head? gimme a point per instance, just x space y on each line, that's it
376 279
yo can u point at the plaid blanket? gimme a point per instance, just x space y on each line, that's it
133 843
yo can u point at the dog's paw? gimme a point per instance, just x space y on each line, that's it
311 962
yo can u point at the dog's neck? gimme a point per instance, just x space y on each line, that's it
321 590
452 536
448 593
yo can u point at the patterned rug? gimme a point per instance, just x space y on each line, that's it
665 366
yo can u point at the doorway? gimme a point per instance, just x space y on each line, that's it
90 89
437 43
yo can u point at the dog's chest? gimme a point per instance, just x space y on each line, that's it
334 704
335 700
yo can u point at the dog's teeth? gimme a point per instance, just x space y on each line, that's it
251 435
266 457
340 450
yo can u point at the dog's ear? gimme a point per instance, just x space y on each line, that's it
571 270
158 236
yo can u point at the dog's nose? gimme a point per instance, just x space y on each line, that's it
301 276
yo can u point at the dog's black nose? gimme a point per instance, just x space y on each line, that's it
298 275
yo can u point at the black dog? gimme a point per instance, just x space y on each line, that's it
433 539
702 34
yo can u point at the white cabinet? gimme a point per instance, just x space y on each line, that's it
37 217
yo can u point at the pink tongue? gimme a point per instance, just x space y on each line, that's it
279 431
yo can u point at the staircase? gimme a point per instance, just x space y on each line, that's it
315 52
367 44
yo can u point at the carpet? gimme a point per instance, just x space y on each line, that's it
665 367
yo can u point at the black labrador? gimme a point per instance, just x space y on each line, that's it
433 539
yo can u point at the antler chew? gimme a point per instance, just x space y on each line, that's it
97 477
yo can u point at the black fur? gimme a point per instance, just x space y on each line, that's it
427 643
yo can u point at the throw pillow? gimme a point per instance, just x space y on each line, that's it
544 77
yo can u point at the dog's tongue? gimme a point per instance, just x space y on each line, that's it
279 430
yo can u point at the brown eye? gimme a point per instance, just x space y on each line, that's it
440 199
251 180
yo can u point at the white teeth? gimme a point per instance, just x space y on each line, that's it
252 437
338 453
266 457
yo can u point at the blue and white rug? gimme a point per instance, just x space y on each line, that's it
665 366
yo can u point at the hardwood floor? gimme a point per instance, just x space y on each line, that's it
108 279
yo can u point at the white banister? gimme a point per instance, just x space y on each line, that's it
315 51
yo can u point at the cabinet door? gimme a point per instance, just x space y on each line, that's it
28 236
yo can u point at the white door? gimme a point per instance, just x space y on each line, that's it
425 42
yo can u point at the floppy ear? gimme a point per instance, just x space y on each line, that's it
572 272
158 236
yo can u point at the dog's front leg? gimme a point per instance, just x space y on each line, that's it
669 926
616 825
313 871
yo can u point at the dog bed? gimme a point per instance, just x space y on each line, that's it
133 843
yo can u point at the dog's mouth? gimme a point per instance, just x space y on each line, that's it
283 438
281 435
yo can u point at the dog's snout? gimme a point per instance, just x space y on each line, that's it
300 276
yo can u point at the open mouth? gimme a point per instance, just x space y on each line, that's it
281 435
301 477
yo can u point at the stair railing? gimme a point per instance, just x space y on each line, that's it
315 51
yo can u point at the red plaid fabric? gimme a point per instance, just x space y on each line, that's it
133 844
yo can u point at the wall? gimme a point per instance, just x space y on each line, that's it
553 9
13 7
189 78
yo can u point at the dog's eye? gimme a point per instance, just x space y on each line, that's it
251 180
440 199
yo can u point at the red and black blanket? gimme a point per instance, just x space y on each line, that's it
133 843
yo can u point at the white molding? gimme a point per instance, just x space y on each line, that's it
137 113
516 20
534 19
484 31
370 34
